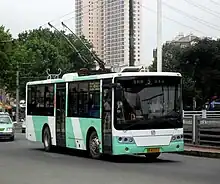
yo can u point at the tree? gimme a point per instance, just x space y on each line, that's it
171 56
5 49
202 63
37 50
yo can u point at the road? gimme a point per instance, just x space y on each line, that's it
22 162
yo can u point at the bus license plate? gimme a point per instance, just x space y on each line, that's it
153 150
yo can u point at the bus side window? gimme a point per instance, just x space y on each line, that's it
40 100
73 100
94 99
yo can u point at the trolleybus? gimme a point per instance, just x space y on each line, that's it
127 113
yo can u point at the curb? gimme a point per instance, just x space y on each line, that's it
200 154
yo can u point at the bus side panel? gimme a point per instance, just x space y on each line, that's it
77 129
70 136
30 129
35 127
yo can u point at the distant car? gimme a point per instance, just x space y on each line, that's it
6 127
23 126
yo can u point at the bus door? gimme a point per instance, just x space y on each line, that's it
107 116
60 114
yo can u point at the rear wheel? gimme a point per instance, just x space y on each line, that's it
152 156
94 150
47 140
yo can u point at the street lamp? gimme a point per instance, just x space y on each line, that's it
159 35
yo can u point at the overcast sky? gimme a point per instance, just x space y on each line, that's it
20 15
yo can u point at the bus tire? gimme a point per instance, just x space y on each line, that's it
94 150
47 139
152 156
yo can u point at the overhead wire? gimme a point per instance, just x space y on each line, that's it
203 8
72 12
147 8
214 2
173 20
204 22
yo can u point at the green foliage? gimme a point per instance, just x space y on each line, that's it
35 51
5 50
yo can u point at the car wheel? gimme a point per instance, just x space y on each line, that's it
94 150
47 140
12 138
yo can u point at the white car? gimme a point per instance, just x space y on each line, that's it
6 127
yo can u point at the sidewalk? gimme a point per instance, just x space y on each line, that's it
202 151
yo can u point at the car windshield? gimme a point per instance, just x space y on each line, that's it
148 102
5 120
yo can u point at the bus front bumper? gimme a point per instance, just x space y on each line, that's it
6 135
133 149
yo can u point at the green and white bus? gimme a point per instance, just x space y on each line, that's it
128 113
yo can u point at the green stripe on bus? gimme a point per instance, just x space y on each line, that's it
39 122
86 123
70 138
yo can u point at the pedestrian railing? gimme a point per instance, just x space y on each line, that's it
202 128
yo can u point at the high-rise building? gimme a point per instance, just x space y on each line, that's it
106 24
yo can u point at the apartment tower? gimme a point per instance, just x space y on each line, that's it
106 24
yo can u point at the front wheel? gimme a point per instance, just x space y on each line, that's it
152 156
12 138
47 140
94 150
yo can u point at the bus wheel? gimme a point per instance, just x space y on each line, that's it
94 146
47 140
152 156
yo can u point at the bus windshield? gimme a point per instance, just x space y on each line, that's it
148 102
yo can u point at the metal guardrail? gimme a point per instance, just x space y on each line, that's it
202 128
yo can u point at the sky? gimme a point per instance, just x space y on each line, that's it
21 15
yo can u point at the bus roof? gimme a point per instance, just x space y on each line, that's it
75 77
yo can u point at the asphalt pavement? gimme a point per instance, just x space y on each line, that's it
24 162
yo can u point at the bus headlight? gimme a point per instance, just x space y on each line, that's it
126 140
177 137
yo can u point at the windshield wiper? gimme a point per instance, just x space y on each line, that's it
134 123
151 98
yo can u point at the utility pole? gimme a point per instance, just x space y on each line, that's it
17 94
159 35
131 33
